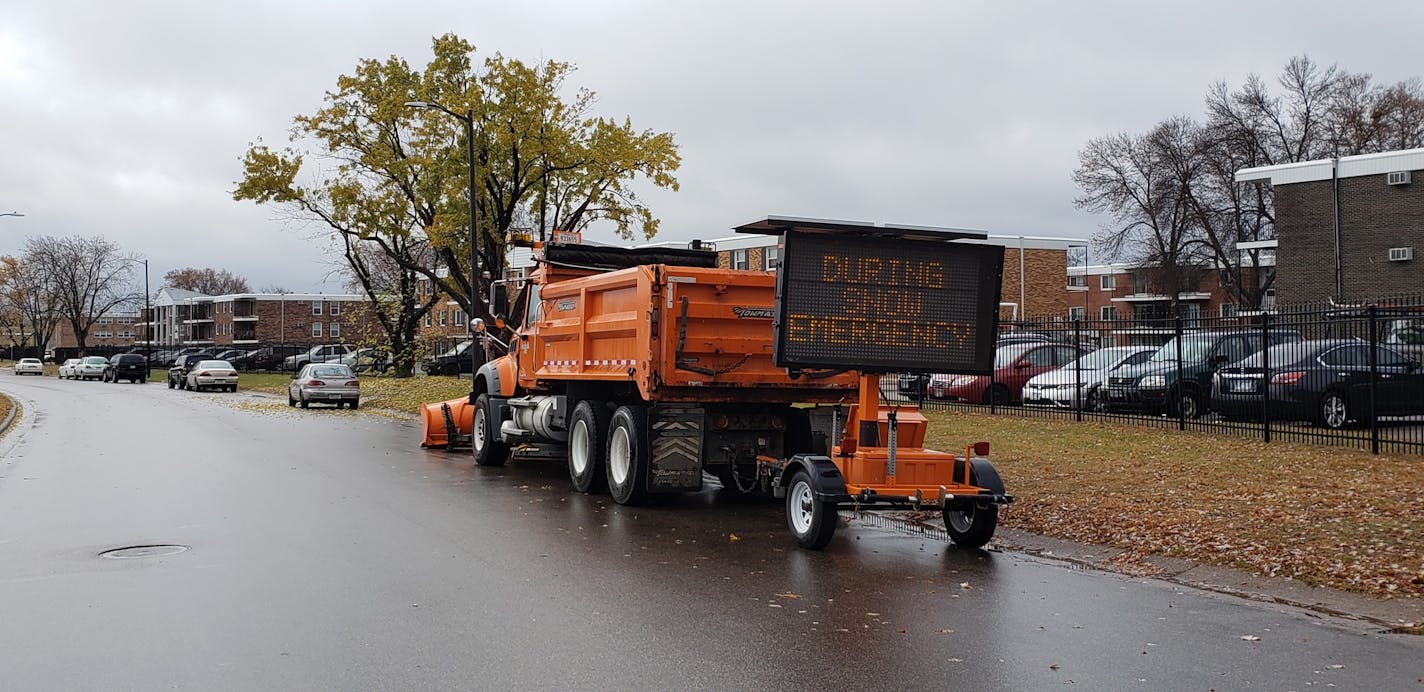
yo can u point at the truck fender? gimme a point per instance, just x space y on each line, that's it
826 478
486 380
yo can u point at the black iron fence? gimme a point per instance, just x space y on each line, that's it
1339 375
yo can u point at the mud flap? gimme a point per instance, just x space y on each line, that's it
675 449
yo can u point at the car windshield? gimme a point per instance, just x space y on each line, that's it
95 360
458 349
1100 359
215 364
1194 350
1007 354
331 371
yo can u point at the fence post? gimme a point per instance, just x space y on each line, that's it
1265 377
1373 315
1179 385
1079 396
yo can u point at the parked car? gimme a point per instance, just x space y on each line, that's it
1080 382
325 383
366 360
1325 381
227 354
453 361
212 374
91 368
29 366
326 353
178 374
127 366
266 357
1153 386
68 369
1014 365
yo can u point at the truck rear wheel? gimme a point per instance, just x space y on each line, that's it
627 457
588 446
484 435
812 521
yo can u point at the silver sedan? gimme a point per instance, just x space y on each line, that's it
212 374
324 383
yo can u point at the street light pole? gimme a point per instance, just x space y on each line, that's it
475 298
148 317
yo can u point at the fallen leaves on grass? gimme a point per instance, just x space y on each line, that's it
1326 516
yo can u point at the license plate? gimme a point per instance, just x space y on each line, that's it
1115 395
333 396
1243 386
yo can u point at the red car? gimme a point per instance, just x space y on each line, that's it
1014 365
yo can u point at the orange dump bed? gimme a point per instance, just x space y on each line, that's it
677 333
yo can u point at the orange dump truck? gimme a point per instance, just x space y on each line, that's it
651 367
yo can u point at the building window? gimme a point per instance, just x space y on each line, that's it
316 307
739 259
316 329
1077 313
103 335
427 319
771 257
1109 312
335 330
1227 309
1078 280
443 313
1107 282
459 317
335 308
106 320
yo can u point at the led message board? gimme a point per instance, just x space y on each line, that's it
878 304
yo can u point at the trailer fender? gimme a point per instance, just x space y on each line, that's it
982 473
829 484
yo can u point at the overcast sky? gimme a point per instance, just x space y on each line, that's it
129 119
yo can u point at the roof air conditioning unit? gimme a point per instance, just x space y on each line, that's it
1397 178
1401 254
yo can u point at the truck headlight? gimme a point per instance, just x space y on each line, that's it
1153 381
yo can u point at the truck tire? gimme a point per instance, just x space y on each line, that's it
627 457
588 446
484 435
812 521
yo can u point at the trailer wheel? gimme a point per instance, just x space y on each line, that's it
588 445
971 526
627 458
812 521
484 436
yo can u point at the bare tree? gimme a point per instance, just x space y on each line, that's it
88 277
27 300
213 282
1172 192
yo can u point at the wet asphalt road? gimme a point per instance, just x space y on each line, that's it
329 552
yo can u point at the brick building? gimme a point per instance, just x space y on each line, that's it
185 318
115 331
1134 294
1380 211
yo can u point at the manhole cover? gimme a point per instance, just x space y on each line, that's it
138 551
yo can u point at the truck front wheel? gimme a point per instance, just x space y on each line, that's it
627 458
484 435
588 443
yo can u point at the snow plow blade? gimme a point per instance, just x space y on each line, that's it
446 424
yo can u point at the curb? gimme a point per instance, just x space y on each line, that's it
9 418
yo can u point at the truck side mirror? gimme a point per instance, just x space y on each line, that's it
499 299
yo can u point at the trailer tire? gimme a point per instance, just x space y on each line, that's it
484 435
588 446
973 525
627 457
812 521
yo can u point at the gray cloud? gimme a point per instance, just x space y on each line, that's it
128 119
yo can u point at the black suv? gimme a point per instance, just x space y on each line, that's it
126 366
178 374
454 361
266 358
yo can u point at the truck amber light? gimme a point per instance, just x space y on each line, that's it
1287 377
981 448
